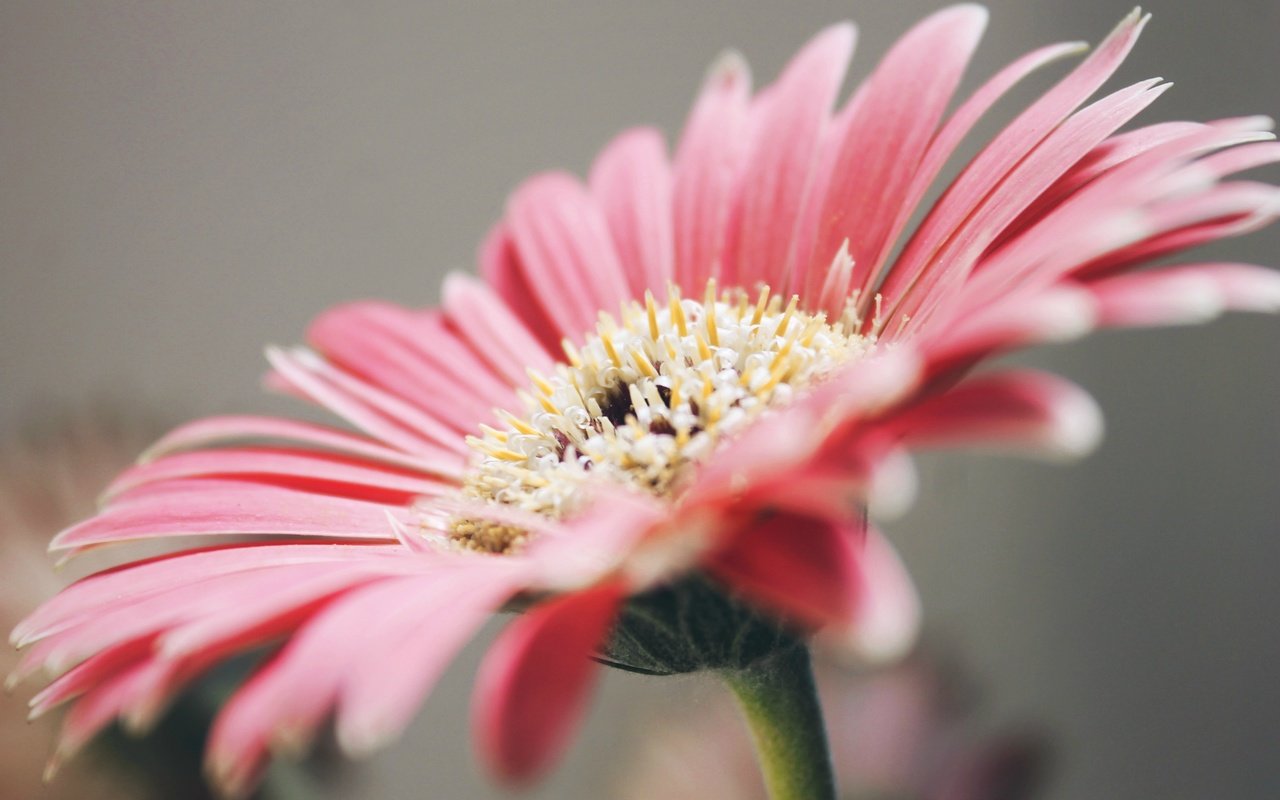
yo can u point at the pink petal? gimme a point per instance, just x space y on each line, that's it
565 252
535 681
851 472
123 621
863 468
417 361
1225 211
1175 241
284 703
310 471
602 537
1240 159
394 672
1186 294
707 170
1158 298
900 108
305 587
1029 412
1063 148
1110 154
214 431
97 709
215 507
90 673
1244 287
777 445
631 182
801 568
492 329
501 268
1057 314
812 204
953 132
1123 214
376 412
285 605
1005 151
85 598
887 621
780 162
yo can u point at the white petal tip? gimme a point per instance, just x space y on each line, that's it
1264 301
360 742
1069 315
893 487
1077 428
291 741
140 721
730 67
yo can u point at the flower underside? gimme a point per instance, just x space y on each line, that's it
646 397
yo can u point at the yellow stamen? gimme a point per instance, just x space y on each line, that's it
760 305
643 363
709 309
571 353
704 352
786 318
540 382
652 308
517 423
677 311
645 395
608 349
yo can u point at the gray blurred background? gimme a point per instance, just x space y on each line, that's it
184 182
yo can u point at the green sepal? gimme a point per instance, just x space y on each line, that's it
690 626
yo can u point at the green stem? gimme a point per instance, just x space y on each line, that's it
778 696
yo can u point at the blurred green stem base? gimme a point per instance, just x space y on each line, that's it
780 701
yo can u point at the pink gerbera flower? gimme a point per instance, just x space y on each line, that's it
657 421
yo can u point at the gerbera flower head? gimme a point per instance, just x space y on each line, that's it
657 421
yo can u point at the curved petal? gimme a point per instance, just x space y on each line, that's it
802 568
887 621
500 266
1071 141
534 683
953 131
217 431
707 170
1006 151
369 408
209 506
899 110
321 473
392 673
565 251
493 330
631 181
1185 294
1029 412
369 652
780 163
80 601
414 356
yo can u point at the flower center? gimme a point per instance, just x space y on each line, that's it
646 398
